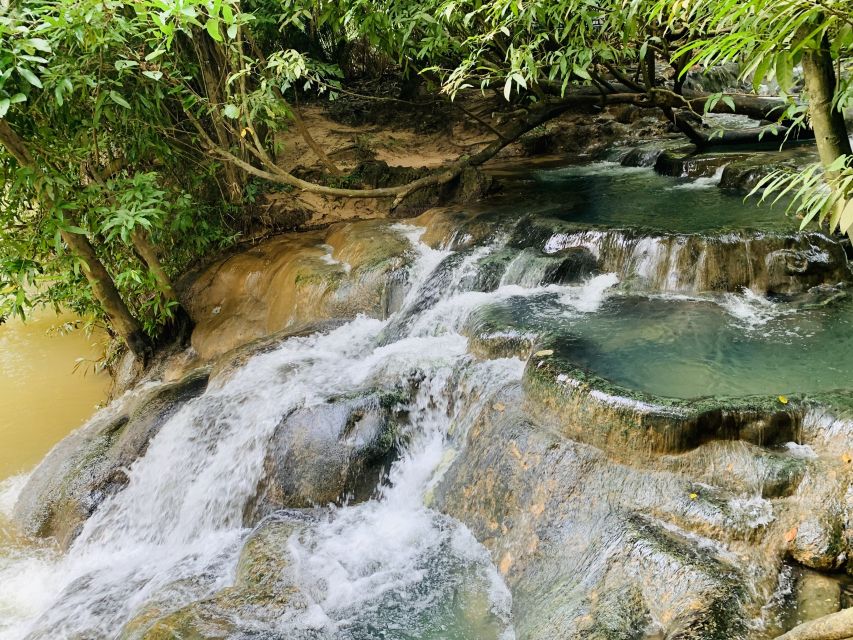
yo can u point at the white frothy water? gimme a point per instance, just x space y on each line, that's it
704 182
589 296
383 551
751 310
329 258
173 534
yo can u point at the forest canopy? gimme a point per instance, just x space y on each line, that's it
134 135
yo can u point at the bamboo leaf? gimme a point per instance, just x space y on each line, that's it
116 97
29 76
845 222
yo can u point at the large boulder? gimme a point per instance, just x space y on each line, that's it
250 608
297 280
90 464
592 548
330 453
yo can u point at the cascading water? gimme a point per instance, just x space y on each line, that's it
391 567
173 534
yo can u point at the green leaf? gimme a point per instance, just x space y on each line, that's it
36 43
116 97
232 31
29 76
4 106
212 27
838 164
154 75
231 111
846 219
581 72
18 97
761 72
727 100
784 71
227 14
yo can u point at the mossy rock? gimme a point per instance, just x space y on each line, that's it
249 609
330 453
591 409
89 465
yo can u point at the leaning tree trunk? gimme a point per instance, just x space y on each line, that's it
122 321
181 324
146 251
828 123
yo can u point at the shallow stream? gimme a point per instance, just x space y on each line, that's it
394 566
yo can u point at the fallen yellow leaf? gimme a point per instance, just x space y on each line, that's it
783 399
791 534
544 352
694 496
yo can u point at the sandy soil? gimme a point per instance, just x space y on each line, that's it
392 145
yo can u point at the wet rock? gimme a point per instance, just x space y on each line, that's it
493 332
687 164
90 464
252 608
595 549
622 422
817 595
818 543
745 173
294 281
575 264
821 534
329 453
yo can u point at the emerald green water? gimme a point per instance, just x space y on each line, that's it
606 194
731 345
738 347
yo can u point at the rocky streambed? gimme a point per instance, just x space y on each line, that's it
610 404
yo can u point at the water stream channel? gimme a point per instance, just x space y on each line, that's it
593 407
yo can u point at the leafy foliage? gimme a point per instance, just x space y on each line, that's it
115 102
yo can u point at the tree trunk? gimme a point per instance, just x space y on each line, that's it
827 122
148 254
213 74
121 320
181 324
316 148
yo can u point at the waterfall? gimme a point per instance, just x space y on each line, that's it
173 534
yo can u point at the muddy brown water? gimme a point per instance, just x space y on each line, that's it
45 392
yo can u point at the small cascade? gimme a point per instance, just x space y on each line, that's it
688 264
173 534
551 426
